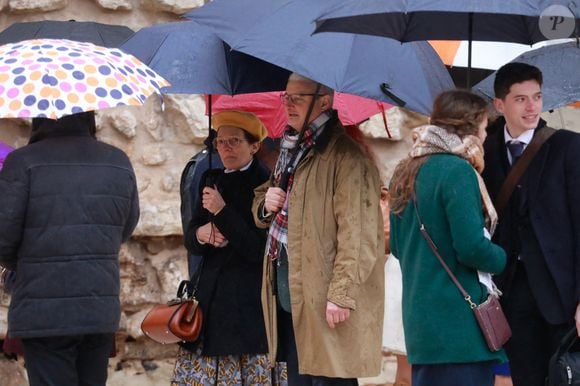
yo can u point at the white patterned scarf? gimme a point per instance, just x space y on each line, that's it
430 139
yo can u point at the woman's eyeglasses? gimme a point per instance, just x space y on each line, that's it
230 142
297 98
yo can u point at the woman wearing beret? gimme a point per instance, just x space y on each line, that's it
232 347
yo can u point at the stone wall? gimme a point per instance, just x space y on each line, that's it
159 142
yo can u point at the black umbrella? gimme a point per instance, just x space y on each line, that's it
106 35
195 61
409 20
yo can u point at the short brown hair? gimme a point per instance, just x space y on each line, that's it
459 112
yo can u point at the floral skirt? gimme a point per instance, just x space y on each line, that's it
194 369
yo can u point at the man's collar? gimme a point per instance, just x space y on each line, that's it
324 137
526 136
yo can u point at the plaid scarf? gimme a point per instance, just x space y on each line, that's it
288 160
431 139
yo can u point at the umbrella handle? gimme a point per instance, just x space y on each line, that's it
385 89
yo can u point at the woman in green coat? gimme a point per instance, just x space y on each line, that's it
444 342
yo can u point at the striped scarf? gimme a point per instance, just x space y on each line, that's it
288 161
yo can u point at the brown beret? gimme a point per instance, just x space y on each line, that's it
241 119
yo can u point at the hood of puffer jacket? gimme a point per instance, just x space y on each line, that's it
79 124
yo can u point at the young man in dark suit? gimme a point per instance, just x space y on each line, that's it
540 226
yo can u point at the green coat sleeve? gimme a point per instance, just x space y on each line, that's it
462 204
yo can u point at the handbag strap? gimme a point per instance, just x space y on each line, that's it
192 285
433 247
568 341
520 167
188 288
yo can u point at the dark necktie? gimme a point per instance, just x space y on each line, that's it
516 149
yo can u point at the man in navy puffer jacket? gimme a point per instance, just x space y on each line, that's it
67 202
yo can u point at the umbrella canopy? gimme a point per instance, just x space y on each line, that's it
280 32
106 35
486 55
196 61
51 78
561 76
495 20
268 106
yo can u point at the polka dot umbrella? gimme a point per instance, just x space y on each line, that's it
51 78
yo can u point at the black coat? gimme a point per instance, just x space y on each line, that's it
67 202
550 192
231 278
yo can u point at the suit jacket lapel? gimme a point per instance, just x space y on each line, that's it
534 173
496 164
504 161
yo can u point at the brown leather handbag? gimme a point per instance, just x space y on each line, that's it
180 320
492 322
489 314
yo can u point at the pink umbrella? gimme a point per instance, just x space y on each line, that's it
352 109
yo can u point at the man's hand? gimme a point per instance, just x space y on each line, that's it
503 380
212 200
336 314
274 200
209 234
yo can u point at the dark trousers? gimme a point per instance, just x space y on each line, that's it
79 360
288 353
533 339
453 374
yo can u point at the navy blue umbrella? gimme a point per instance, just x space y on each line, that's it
561 75
525 22
280 32
196 61
105 35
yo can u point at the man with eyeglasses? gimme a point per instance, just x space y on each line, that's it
325 249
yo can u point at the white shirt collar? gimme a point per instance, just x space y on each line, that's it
241 169
525 137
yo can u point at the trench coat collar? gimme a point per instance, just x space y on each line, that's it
322 141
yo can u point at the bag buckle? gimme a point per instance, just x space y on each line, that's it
471 303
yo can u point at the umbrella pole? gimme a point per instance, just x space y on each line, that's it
209 136
469 42
384 115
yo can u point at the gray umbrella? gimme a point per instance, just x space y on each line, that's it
559 66
280 32
196 61
524 22
105 35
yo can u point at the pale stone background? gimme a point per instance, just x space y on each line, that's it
159 144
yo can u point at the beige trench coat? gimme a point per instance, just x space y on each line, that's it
336 253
